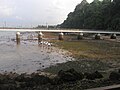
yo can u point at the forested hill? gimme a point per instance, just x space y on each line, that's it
104 15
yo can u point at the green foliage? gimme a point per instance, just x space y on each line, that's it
96 15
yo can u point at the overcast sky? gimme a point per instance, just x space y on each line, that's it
34 12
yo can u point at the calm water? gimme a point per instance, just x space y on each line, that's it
28 56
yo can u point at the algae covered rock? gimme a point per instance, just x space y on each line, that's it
114 76
70 75
40 79
93 76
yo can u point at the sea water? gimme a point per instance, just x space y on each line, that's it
28 56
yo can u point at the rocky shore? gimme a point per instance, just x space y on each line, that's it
64 80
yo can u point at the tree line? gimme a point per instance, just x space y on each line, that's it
99 15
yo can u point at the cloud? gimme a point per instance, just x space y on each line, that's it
36 11
18 18
6 9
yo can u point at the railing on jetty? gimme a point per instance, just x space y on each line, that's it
61 33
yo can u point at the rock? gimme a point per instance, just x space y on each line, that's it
70 75
56 81
119 70
89 76
23 85
98 75
8 87
22 78
40 79
93 76
114 76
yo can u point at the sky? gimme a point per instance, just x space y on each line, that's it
30 13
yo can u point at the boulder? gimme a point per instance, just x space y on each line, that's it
8 87
70 75
97 75
114 76
22 78
40 79
119 70
56 81
93 76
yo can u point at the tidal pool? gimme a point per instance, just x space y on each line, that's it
28 56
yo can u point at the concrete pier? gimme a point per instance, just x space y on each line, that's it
40 37
80 36
113 36
61 36
98 36
18 37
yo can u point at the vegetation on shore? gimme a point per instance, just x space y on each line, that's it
103 15
92 49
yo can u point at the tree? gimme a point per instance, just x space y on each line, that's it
96 15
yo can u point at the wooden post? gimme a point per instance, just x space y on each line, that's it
40 37
18 37
113 36
98 36
80 36
61 36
